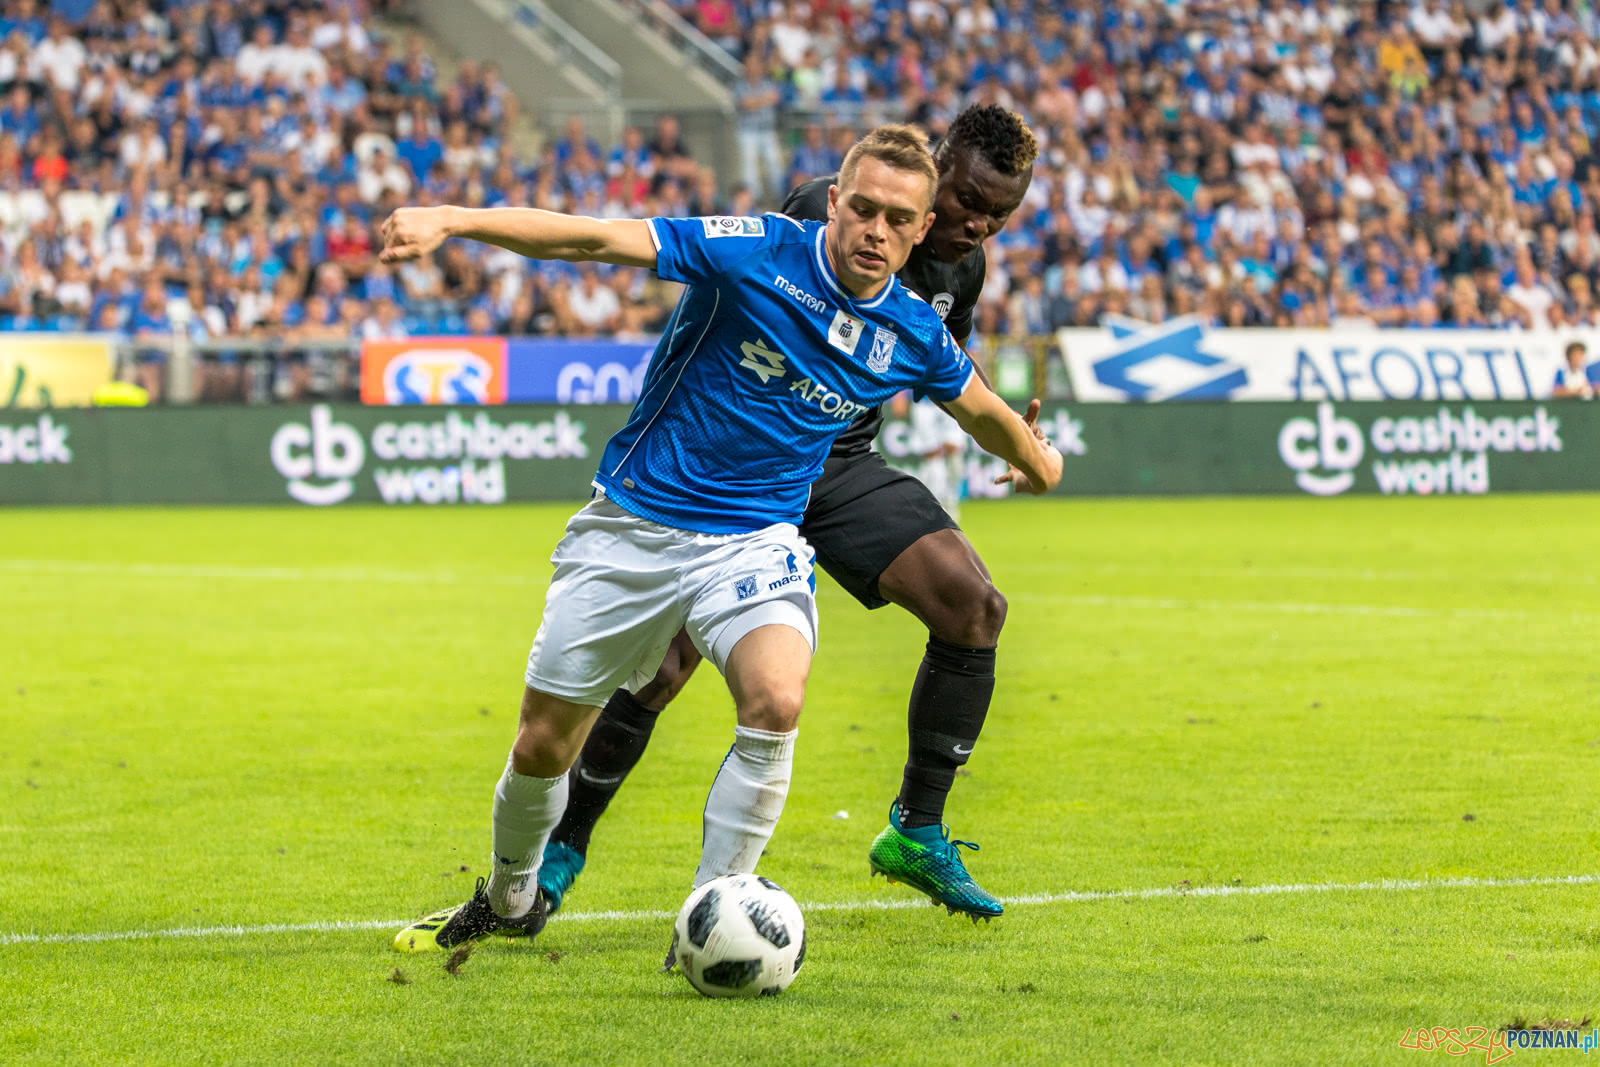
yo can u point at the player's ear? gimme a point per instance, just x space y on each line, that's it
927 224
833 202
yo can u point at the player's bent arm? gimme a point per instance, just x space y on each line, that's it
538 234
961 342
1002 432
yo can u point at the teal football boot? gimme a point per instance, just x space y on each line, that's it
925 858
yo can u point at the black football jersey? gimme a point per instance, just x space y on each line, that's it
952 289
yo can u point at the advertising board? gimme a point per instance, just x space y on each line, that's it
1183 359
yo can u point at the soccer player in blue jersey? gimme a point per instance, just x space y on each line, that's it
786 332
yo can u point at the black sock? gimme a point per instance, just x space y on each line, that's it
614 745
949 701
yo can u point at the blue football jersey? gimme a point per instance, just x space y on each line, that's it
766 359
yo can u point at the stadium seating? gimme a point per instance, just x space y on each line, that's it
1208 155
1258 163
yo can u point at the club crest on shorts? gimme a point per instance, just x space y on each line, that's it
746 587
883 342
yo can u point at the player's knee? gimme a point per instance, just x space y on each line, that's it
542 752
973 618
773 706
545 745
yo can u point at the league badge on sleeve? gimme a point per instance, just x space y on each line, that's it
733 226
883 342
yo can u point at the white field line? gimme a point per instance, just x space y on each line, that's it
1344 574
1293 607
362 575
1385 885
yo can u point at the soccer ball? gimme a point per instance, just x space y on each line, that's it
739 935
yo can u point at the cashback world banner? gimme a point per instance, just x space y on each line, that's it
317 455
327 455
1325 449
1182 359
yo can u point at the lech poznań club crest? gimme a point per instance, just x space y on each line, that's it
883 342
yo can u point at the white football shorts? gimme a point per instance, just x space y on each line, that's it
624 586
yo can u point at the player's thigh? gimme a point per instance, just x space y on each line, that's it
743 584
942 581
612 608
671 676
863 515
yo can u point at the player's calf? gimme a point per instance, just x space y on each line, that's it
941 580
766 674
612 749
530 797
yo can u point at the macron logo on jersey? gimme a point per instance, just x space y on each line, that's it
804 298
764 361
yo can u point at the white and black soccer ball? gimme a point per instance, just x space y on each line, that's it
740 935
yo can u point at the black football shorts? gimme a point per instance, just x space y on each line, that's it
863 514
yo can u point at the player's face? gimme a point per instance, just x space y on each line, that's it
972 203
875 222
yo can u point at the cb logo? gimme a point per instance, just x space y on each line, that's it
1323 454
329 451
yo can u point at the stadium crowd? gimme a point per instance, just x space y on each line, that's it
219 168
1264 162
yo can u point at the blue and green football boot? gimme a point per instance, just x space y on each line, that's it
557 871
925 858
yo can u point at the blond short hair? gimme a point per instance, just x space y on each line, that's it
896 145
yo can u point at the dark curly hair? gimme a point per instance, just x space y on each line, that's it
999 135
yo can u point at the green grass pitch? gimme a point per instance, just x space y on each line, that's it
291 718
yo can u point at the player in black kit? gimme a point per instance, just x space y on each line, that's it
882 536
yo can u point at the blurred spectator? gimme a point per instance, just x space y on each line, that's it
1576 380
812 158
593 306
757 96
149 322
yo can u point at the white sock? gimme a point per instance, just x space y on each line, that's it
526 809
745 802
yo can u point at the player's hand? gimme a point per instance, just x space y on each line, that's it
412 232
1018 480
1052 464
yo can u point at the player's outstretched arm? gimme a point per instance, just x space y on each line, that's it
1002 432
416 231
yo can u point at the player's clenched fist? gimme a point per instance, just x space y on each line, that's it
413 231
